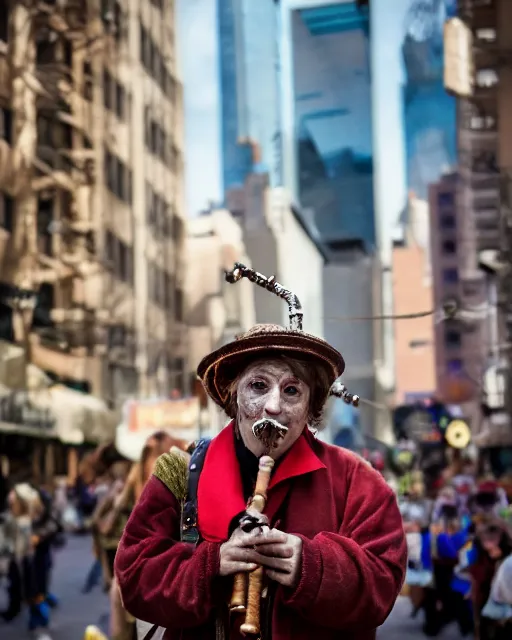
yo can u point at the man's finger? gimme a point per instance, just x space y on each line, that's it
278 576
280 564
265 536
241 554
275 550
241 567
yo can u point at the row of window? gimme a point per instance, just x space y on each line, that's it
162 291
118 177
119 257
115 97
153 61
159 142
160 216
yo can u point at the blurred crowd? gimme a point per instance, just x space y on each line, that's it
35 521
459 535
460 553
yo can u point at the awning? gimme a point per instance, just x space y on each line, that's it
79 417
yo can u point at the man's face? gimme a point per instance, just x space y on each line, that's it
270 390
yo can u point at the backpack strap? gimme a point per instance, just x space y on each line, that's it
189 530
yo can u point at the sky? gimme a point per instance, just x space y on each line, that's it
197 44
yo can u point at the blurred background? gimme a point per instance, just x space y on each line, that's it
360 151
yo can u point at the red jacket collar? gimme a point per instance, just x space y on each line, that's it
220 495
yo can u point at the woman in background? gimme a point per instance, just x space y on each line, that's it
122 625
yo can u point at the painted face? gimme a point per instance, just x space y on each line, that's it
271 390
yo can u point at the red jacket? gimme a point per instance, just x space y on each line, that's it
353 557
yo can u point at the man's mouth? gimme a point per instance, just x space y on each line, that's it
269 432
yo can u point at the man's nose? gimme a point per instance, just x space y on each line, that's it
273 402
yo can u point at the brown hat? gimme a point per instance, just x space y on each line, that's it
219 368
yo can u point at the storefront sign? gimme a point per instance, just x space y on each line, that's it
163 414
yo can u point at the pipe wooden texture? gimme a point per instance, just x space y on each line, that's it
251 608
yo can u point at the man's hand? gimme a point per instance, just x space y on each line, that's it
281 555
238 553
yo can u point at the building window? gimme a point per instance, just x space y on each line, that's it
419 344
158 282
113 18
450 276
6 124
4 24
179 305
6 212
44 221
177 228
118 177
484 162
153 61
159 142
119 256
158 213
114 95
454 367
449 247
452 339
486 78
446 199
447 221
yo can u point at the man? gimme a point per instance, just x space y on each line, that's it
333 553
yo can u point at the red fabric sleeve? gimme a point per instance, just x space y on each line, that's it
163 581
351 580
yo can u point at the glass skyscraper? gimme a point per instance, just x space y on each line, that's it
429 111
333 120
249 95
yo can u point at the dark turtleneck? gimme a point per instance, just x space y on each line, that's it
249 464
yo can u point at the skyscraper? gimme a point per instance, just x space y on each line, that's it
429 111
333 119
249 96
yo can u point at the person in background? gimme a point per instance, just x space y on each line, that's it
23 501
4 492
493 543
46 534
86 500
122 624
498 610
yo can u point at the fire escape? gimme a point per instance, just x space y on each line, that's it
47 172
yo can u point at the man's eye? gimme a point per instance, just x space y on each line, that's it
291 390
258 385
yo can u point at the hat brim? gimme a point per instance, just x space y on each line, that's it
225 363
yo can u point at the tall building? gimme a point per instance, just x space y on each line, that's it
332 119
279 241
429 111
479 76
412 294
249 96
460 342
91 182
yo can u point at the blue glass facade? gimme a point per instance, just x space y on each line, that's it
333 119
429 112
249 96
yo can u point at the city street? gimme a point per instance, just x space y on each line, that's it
76 610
